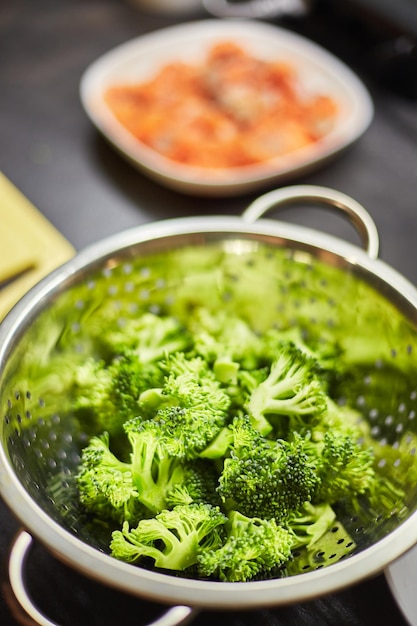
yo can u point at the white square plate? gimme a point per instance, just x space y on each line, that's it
139 59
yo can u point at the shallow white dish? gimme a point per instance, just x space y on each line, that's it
139 59
402 580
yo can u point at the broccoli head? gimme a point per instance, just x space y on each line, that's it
221 339
151 336
108 395
154 471
269 480
344 468
173 538
291 395
198 485
253 546
191 406
105 483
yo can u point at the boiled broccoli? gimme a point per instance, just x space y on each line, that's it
108 395
222 451
154 471
268 479
310 523
324 351
225 341
344 468
151 336
198 485
291 395
105 483
191 406
173 539
253 546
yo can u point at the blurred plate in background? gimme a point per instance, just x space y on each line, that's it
317 70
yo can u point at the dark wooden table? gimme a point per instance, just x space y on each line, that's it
50 151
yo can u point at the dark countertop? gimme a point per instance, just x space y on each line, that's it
50 151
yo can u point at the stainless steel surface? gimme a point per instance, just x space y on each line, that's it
174 616
312 194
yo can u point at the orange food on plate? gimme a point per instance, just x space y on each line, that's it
231 110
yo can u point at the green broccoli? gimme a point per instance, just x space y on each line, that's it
310 523
173 539
253 546
191 406
224 340
291 395
198 485
151 336
105 484
221 451
108 395
324 351
269 479
148 481
154 471
344 468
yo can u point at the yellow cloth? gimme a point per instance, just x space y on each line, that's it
30 246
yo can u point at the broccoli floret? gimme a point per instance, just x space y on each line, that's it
173 539
188 430
239 434
324 351
105 483
130 377
151 336
344 468
191 406
253 546
269 480
108 395
154 471
199 485
310 523
225 341
290 396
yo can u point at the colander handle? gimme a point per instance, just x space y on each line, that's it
174 616
328 198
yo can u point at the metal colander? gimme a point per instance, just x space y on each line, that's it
276 275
